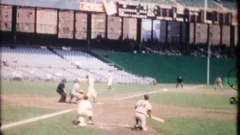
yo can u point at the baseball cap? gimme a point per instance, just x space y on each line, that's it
146 96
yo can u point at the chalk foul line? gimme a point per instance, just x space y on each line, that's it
156 91
35 119
6 126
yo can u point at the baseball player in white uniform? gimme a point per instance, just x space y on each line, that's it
84 111
75 91
142 110
218 82
110 79
91 91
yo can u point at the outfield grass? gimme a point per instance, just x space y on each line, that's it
48 89
206 101
194 126
59 125
12 113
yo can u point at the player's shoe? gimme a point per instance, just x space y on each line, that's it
82 124
75 122
137 127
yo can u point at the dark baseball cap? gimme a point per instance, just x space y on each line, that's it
146 96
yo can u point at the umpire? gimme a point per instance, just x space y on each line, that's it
179 81
61 91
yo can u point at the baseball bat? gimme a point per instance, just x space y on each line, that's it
158 119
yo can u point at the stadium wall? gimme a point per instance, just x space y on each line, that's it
166 68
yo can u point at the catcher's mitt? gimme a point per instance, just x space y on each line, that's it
80 91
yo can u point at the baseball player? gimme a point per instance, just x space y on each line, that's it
179 81
218 83
91 91
84 111
142 110
61 91
110 79
76 91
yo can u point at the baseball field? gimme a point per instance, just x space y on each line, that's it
31 108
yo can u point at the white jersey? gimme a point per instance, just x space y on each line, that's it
74 88
218 80
110 77
91 81
84 105
143 106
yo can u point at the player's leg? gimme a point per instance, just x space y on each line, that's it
215 86
94 94
143 122
221 86
64 96
181 85
76 121
137 120
90 115
71 97
61 99
177 85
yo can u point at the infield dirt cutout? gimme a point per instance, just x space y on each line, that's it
117 116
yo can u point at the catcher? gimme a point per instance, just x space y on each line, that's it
85 113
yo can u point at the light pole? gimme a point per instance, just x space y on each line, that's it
205 10
209 50
208 64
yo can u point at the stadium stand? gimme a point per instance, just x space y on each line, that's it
230 5
166 68
43 64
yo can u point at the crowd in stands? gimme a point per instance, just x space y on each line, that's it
217 51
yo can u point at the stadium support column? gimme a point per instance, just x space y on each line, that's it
232 35
122 28
74 25
152 30
14 22
106 26
180 32
187 33
57 22
139 31
221 34
89 29
194 32
166 37
35 21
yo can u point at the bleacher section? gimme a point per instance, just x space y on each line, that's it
166 68
43 64
197 3
229 5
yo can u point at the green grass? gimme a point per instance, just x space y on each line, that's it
48 89
194 126
12 113
60 125
30 88
206 101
